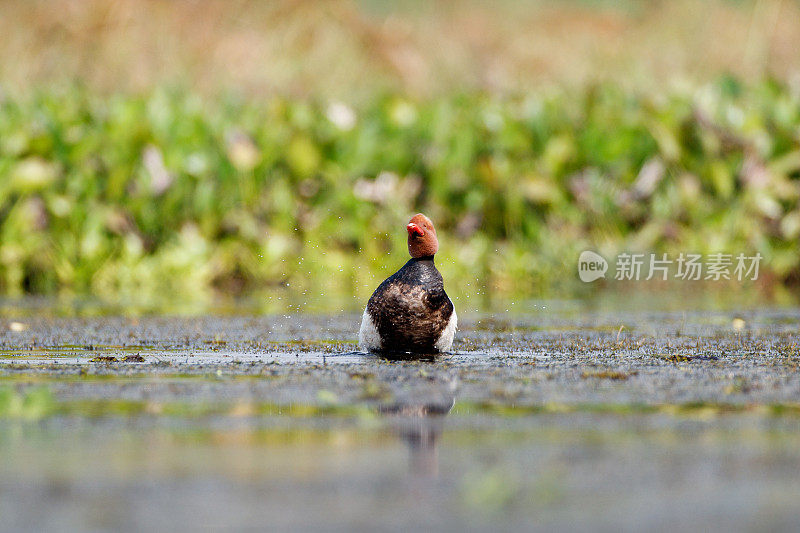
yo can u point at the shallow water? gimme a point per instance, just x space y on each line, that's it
540 472
545 420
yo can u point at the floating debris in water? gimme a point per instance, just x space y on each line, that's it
608 374
104 359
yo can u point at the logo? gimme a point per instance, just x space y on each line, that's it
591 266
687 266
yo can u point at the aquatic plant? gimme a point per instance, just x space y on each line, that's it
170 192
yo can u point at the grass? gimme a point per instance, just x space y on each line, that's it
170 192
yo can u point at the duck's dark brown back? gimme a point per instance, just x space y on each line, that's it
410 309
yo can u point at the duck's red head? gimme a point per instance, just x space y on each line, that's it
422 241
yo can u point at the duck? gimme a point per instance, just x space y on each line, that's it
410 311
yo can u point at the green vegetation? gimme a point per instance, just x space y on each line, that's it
37 403
34 404
171 192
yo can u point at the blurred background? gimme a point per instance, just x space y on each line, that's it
182 153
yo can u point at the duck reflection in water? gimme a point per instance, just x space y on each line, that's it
420 423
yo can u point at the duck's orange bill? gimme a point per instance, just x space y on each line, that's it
413 228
